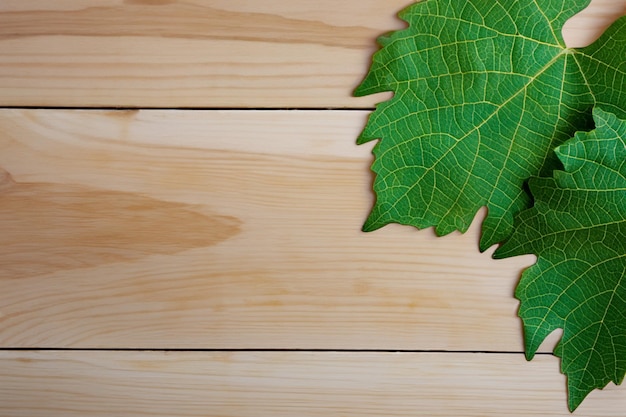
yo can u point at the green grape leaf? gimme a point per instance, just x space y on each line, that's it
484 91
577 229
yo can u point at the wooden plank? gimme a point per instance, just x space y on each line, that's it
204 53
225 229
258 384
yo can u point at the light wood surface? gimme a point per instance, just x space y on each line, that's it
204 53
130 237
237 229
282 384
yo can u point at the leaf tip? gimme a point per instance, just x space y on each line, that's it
575 398
370 226
360 90
499 253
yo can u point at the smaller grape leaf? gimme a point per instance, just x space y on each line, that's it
577 229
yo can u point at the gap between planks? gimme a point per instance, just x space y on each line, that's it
234 350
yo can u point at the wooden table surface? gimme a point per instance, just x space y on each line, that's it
180 207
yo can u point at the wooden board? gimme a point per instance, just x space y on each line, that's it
204 53
206 229
226 243
283 384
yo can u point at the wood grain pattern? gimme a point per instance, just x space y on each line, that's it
226 384
208 229
56 227
205 53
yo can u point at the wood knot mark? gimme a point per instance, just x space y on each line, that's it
52 227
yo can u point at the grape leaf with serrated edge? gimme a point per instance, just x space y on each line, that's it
577 228
483 92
